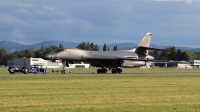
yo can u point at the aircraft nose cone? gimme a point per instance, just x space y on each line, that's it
46 57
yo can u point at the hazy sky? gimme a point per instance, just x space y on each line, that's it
172 22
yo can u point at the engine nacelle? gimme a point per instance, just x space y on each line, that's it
132 64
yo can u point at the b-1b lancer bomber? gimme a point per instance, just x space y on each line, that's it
112 60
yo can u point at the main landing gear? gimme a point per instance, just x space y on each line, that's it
103 71
118 70
114 71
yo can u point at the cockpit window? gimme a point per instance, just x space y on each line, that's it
58 50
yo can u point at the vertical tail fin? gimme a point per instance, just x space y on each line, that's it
144 45
145 42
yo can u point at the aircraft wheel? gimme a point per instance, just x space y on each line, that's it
119 70
98 71
113 71
44 72
11 70
63 72
103 70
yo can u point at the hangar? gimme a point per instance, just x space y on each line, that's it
39 61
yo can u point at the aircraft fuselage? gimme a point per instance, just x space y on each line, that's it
99 58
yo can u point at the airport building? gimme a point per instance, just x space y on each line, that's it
172 64
39 61
195 63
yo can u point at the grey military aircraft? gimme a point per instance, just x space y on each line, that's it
113 60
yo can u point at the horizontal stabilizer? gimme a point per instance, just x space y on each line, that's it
150 48
131 59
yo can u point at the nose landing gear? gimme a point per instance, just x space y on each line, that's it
64 63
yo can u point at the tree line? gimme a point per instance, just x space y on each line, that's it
94 47
170 53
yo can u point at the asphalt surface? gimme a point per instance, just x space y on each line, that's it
70 74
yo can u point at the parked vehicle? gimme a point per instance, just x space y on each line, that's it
32 69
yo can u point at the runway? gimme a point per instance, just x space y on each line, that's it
74 75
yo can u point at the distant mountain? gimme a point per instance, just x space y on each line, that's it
196 49
10 46
13 46
57 43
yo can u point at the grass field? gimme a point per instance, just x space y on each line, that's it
102 93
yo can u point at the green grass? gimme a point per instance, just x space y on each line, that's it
4 71
100 93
